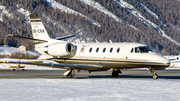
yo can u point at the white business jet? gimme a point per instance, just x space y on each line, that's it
91 56
174 61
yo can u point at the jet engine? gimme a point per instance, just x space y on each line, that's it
59 49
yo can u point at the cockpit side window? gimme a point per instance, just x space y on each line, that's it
136 50
145 49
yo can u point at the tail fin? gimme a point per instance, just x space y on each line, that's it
38 29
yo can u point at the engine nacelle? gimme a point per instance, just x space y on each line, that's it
59 49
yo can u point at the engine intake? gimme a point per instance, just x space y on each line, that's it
59 49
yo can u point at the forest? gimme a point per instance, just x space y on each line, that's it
62 23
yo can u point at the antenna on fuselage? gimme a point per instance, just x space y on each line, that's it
110 41
96 41
77 41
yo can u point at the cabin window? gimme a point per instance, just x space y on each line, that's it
97 50
104 50
90 49
136 50
111 50
118 50
132 50
177 58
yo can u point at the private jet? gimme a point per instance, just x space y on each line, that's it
91 56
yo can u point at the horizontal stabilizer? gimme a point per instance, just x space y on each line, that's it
28 39
64 37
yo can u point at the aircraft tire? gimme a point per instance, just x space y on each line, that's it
70 76
115 73
155 76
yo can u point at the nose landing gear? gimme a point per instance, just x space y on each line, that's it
154 76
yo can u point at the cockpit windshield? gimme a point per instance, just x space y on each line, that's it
145 49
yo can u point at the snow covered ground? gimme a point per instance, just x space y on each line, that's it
89 90
7 50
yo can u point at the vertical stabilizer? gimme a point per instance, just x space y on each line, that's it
38 29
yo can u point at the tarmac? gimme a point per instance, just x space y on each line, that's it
58 74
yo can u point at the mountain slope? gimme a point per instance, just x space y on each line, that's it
155 23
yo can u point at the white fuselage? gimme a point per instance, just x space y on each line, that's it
112 55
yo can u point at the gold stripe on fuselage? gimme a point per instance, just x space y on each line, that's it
113 62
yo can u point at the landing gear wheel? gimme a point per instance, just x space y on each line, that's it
22 69
155 76
115 73
70 74
14 69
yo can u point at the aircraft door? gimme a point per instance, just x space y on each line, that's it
81 53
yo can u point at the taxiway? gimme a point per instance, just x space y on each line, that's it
58 74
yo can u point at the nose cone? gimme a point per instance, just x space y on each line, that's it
166 62
157 60
162 60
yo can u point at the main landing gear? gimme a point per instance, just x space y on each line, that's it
116 72
151 70
69 73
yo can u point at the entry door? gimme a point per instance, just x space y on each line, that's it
82 50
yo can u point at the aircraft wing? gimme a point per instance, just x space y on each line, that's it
56 65
27 39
